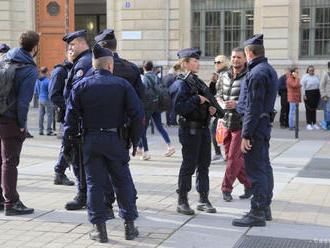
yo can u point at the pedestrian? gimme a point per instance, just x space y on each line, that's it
325 95
105 149
311 93
283 93
261 90
294 94
13 120
221 64
45 105
228 94
194 134
56 88
149 81
82 67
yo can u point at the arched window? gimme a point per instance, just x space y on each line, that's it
218 26
314 28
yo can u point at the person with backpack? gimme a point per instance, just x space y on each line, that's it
16 88
150 80
45 105
56 88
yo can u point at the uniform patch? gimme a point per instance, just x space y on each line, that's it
80 73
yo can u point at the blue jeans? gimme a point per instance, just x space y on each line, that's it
157 120
45 107
292 113
326 108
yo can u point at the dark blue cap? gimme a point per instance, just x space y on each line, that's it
189 53
4 48
99 52
257 39
106 34
71 36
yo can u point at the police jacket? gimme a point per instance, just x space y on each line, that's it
103 101
186 102
262 86
57 83
22 91
82 67
228 88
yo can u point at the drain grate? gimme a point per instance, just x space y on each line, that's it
270 242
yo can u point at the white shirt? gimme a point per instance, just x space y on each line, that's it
309 82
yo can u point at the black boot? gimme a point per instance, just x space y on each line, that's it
130 230
62 179
227 196
109 212
99 233
183 205
79 202
18 208
253 218
248 192
2 202
268 214
204 204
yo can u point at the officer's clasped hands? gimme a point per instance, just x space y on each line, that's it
203 99
212 110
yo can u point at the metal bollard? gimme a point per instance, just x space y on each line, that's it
297 121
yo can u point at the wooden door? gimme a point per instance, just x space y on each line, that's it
54 18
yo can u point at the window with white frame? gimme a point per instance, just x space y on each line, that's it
314 28
219 26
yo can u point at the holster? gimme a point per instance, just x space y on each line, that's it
59 114
124 133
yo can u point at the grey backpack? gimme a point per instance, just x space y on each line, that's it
7 78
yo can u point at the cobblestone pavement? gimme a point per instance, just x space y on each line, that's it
300 203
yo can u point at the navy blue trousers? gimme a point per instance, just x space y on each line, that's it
260 173
196 154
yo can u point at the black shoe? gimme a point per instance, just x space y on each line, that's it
18 208
268 214
2 205
62 179
51 134
183 205
41 133
79 202
130 230
99 233
109 212
227 196
28 135
253 218
204 204
247 193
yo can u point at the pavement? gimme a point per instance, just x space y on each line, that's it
301 205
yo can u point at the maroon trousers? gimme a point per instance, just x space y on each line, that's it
235 160
11 146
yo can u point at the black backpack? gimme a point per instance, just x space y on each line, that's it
123 69
7 79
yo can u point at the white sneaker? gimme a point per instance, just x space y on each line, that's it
217 158
309 127
316 127
145 156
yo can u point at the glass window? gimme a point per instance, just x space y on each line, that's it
315 28
219 26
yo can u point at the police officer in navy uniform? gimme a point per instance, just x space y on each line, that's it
257 101
122 67
56 87
104 102
194 135
82 67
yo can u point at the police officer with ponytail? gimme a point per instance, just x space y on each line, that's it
194 135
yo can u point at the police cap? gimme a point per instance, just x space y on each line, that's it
4 48
99 52
257 39
106 34
189 53
71 36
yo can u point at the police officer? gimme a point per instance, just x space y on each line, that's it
56 87
82 67
194 135
104 102
257 99
122 67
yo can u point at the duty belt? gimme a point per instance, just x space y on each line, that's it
101 129
192 124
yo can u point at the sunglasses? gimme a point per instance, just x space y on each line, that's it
217 62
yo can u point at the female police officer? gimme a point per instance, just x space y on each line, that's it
194 135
